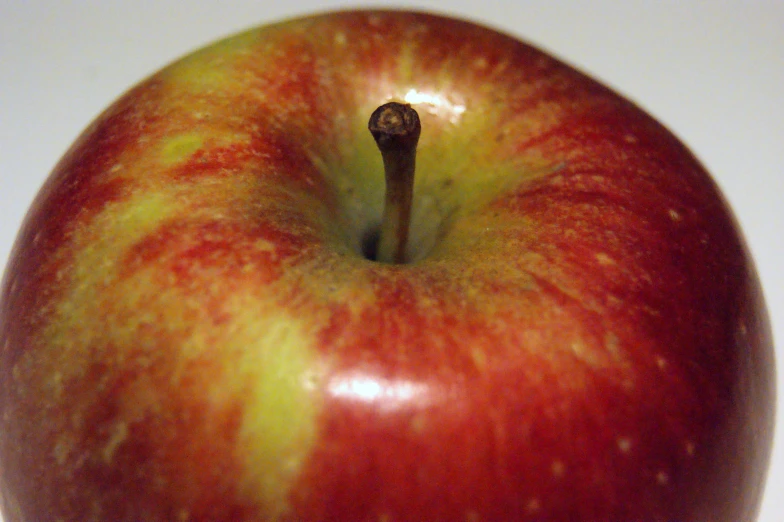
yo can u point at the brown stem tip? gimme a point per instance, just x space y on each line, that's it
396 128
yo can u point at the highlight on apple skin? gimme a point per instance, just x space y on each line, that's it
191 329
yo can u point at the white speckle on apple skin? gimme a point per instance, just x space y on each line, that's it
118 435
604 259
62 449
624 444
472 516
533 505
374 20
690 448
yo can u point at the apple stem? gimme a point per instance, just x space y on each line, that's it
395 127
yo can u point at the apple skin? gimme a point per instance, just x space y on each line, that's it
190 331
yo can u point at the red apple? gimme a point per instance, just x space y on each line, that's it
191 328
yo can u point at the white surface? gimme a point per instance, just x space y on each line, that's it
712 71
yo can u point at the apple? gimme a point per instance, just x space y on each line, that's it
200 320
